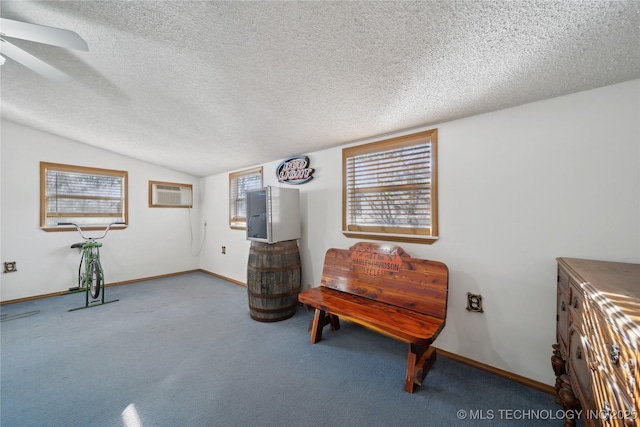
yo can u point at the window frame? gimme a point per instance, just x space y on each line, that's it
236 222
46 166
380 232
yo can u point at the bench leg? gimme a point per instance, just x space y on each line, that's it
320 320
334 321
317 325
419 360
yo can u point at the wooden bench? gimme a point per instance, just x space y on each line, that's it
383 288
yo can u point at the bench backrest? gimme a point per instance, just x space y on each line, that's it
388 274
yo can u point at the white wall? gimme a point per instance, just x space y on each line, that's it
517 188
157 241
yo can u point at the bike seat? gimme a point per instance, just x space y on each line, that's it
77 245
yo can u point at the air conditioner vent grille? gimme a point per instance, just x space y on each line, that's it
167 187
167 195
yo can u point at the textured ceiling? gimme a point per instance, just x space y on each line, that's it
207 87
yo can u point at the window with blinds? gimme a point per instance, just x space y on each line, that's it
82 195
239 183
390 189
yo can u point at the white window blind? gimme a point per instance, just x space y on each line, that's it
239 183
86 196
389 186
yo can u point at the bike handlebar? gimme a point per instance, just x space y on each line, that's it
91 238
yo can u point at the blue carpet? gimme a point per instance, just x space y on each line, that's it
183 351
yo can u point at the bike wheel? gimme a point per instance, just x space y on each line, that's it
95 279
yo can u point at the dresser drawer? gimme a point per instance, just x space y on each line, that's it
577 313
563 279
576 297
562 311
581 363
615 341
613 409
618 358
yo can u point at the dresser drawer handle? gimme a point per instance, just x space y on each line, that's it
575 302
606 411
614 354
563 306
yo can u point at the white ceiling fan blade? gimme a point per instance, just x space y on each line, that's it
30 61
42 34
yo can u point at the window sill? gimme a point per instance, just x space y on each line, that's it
404 238
89 228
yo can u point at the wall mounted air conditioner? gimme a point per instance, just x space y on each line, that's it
170 195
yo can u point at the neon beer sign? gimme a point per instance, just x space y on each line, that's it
294 170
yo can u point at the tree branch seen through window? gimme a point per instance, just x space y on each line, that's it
239 183
390 189
86 196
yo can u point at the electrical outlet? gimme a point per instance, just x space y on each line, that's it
474 303
224 250
10 267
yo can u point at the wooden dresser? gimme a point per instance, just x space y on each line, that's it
598 350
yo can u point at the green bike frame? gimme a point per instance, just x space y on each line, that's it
90 272
93 274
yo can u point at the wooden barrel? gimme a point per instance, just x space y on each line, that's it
273 280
